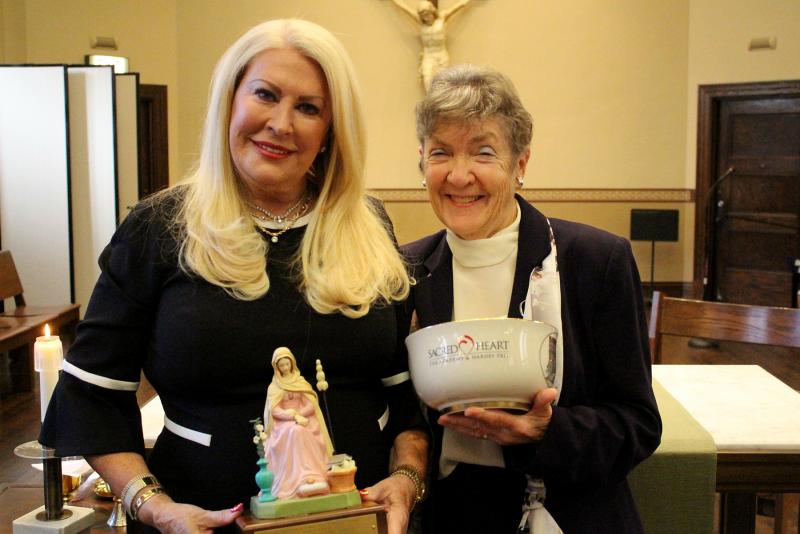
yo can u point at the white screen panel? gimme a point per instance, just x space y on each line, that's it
34 178
127 142
93 171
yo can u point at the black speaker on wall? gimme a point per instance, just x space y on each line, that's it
654 225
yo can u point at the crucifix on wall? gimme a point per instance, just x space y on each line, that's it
432 25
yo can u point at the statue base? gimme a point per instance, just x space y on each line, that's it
303 506
366 518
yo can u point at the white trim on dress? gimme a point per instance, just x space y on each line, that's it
98 380
393 380
384 419
187 433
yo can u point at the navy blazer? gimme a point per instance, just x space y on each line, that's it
607 420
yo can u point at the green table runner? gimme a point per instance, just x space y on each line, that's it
674 488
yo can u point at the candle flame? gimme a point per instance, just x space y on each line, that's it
47 329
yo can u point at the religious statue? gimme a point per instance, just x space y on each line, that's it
298 445
432 22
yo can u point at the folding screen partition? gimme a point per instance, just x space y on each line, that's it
127 99
61 154
35 179
93 174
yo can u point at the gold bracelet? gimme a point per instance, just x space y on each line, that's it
411 472
143 498
134 486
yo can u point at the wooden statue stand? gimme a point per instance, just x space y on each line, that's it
368 518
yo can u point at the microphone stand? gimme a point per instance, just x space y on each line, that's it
712 218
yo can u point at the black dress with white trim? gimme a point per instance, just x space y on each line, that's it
208 357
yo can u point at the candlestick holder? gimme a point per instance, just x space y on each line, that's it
117 517
54 516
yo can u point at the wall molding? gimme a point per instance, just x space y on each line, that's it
560 195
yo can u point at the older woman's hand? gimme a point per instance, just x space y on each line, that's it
502 427
396 494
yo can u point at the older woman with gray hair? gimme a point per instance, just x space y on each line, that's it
577 444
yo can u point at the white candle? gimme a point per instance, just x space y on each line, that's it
47 356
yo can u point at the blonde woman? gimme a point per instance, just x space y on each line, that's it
270 242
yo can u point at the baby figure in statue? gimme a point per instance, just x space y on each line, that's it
298 445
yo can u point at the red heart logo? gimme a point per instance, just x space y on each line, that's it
466 344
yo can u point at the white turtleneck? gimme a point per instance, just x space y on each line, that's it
483 273
483 276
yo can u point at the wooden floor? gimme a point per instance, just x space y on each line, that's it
19 412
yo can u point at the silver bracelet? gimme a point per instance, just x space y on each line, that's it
134 486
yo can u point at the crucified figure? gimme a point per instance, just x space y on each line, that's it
432 22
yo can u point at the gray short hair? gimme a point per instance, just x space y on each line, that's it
466 93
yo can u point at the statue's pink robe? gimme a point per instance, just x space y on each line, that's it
296 453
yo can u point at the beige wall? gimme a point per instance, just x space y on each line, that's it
12 38
605 82
612 85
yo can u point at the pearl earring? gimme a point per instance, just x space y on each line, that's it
424 182
323 149
520 180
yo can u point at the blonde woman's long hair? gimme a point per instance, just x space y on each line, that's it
348 259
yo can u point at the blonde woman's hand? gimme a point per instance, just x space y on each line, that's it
396 494
502 427
170 517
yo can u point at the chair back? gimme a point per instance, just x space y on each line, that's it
10 284
722 321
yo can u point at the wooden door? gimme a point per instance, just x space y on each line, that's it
153 139
751 214
756 211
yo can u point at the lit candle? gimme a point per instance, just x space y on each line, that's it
47 356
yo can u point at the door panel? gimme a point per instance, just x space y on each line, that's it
769 287
755 234
746 196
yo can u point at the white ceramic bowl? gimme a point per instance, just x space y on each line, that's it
491 363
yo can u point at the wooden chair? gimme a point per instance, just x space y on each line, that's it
20 327
743 323
761 325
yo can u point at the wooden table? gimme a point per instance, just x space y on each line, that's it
18 500
754 419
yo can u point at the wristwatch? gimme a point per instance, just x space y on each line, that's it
416 477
